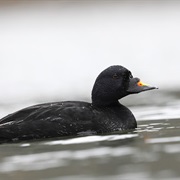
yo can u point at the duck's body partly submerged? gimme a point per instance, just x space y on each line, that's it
65 118
104 114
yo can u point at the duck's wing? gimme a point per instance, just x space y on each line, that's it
47 120
20 115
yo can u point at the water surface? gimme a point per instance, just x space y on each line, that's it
152 151
52 51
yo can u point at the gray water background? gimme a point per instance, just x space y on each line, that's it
54 50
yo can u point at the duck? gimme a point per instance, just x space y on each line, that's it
105 114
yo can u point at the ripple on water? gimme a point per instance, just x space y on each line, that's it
163 140
151 150
168 111
41 161
90 139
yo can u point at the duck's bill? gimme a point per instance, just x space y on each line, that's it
137 86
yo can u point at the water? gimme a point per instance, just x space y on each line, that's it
149 152
53 51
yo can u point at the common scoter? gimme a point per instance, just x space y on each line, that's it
105 113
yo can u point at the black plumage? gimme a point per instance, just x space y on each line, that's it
104 114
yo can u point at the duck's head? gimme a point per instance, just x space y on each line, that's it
114 83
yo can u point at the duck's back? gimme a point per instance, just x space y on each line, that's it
64 118
47 120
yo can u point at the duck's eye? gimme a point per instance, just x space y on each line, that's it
115 76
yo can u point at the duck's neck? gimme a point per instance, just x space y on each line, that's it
100 103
